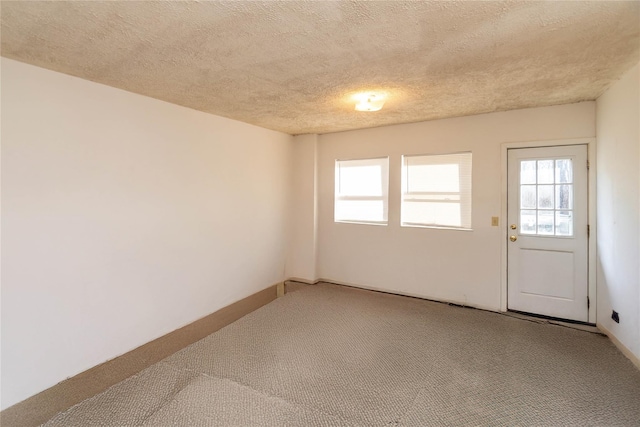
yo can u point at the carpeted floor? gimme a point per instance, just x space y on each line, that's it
331 355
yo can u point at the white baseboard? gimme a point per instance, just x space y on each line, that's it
628 353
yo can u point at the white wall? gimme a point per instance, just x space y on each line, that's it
124 218
447 265
618 168
301 261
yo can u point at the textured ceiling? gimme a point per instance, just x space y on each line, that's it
292 66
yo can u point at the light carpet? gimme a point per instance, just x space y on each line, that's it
330 355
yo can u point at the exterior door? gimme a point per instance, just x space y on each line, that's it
547 257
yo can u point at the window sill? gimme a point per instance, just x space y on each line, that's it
437 227
384 224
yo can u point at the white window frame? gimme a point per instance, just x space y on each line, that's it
384 197
465 193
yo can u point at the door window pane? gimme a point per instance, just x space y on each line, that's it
528 197
528 222
545 222
546 197
564 196
564 223
564 171
545 171
528 172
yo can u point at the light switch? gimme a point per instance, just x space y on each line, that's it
494 221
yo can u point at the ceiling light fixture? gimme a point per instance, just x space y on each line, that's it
369 101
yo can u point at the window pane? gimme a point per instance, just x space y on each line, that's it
545 196
360 210
436 190
361 180
361 189
528 196
432 213
528 222
564 223
545 171
433 178
564 196
528 172
545 222
564 171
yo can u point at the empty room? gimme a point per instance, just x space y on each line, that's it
358 213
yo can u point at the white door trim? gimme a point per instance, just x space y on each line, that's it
591 215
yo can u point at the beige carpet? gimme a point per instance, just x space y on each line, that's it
330 355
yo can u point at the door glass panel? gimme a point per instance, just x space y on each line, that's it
545 222
545 172
528 197
564 223
528 172
564 197
564 171
546 197
528 222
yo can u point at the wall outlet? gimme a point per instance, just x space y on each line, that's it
615 316
495 221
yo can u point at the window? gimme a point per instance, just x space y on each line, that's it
436 191
361 193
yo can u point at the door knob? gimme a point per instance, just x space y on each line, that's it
513 238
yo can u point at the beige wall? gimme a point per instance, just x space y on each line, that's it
447 265
302 257
618 169
124 218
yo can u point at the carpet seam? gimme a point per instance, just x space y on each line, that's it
264 393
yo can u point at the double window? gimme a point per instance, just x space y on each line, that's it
435 192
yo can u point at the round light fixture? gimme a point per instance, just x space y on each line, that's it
369 101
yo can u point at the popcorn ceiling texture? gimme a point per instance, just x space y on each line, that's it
292 66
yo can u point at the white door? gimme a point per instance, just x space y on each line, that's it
547 256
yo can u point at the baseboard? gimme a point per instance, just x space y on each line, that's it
409 294
623 348
305 281
44 405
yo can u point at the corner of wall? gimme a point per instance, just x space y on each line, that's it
303 242
618 207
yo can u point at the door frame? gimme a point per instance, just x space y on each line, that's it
591 213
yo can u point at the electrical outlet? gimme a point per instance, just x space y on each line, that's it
495 221
615 316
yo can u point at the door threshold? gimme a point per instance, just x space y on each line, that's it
539 318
